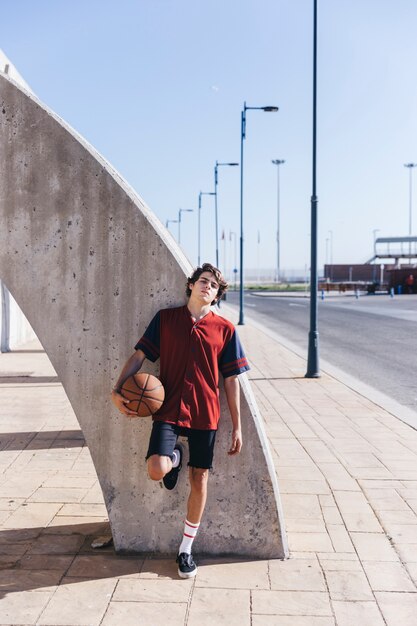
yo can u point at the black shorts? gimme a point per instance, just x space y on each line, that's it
200 443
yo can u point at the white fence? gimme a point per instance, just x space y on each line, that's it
267 275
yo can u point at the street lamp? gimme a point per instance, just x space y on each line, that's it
170 222
375 231
179 221
278 162
202 193
216 167
331 254
267 109
410 168
231 233
313 370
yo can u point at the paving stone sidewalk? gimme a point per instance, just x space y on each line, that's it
347 471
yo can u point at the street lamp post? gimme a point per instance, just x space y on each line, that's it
331 253
231 233
267 109
202 193
313 370
170 222
375 231
278 162
216 167
179 221
410 216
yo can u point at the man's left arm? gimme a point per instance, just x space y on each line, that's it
232 389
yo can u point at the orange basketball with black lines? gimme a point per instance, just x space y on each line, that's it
145 392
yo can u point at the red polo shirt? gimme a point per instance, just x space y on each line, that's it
191 356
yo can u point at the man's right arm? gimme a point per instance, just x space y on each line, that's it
132 365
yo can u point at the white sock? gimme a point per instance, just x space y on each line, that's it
190 531
175 458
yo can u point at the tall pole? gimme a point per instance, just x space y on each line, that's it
410 200
410 221
242 137
179 221
202 193
235 256
313 370
216 216
267 109
278 268
410 196
259 258
216 181
224 254
331 254
199 230
278 162
168 222
375 231
410 218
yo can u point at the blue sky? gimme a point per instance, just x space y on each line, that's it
157 86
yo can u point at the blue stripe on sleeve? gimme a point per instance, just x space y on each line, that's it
149 343
233 360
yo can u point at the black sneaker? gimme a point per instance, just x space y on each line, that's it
186 565
171 479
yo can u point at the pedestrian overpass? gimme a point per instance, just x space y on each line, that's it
395 248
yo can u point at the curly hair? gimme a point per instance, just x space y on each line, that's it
208 267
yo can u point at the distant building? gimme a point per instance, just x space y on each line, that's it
390 253
353 272
398 248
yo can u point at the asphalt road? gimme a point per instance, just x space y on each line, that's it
373 338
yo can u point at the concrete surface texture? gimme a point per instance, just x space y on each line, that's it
89 264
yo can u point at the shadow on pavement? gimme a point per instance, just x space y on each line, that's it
35 558
26 378
42 440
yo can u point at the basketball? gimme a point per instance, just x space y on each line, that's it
145 392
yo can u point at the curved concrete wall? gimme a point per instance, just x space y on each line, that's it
89 264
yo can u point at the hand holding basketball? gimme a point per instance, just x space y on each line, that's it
144 393
122 404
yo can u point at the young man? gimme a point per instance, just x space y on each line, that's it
194 345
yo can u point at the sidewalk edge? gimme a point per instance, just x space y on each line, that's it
394 408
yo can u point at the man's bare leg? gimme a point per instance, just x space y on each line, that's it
195 508
159 466
198 494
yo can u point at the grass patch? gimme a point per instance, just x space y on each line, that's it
275 287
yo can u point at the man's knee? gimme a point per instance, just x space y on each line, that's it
158 466
199 478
